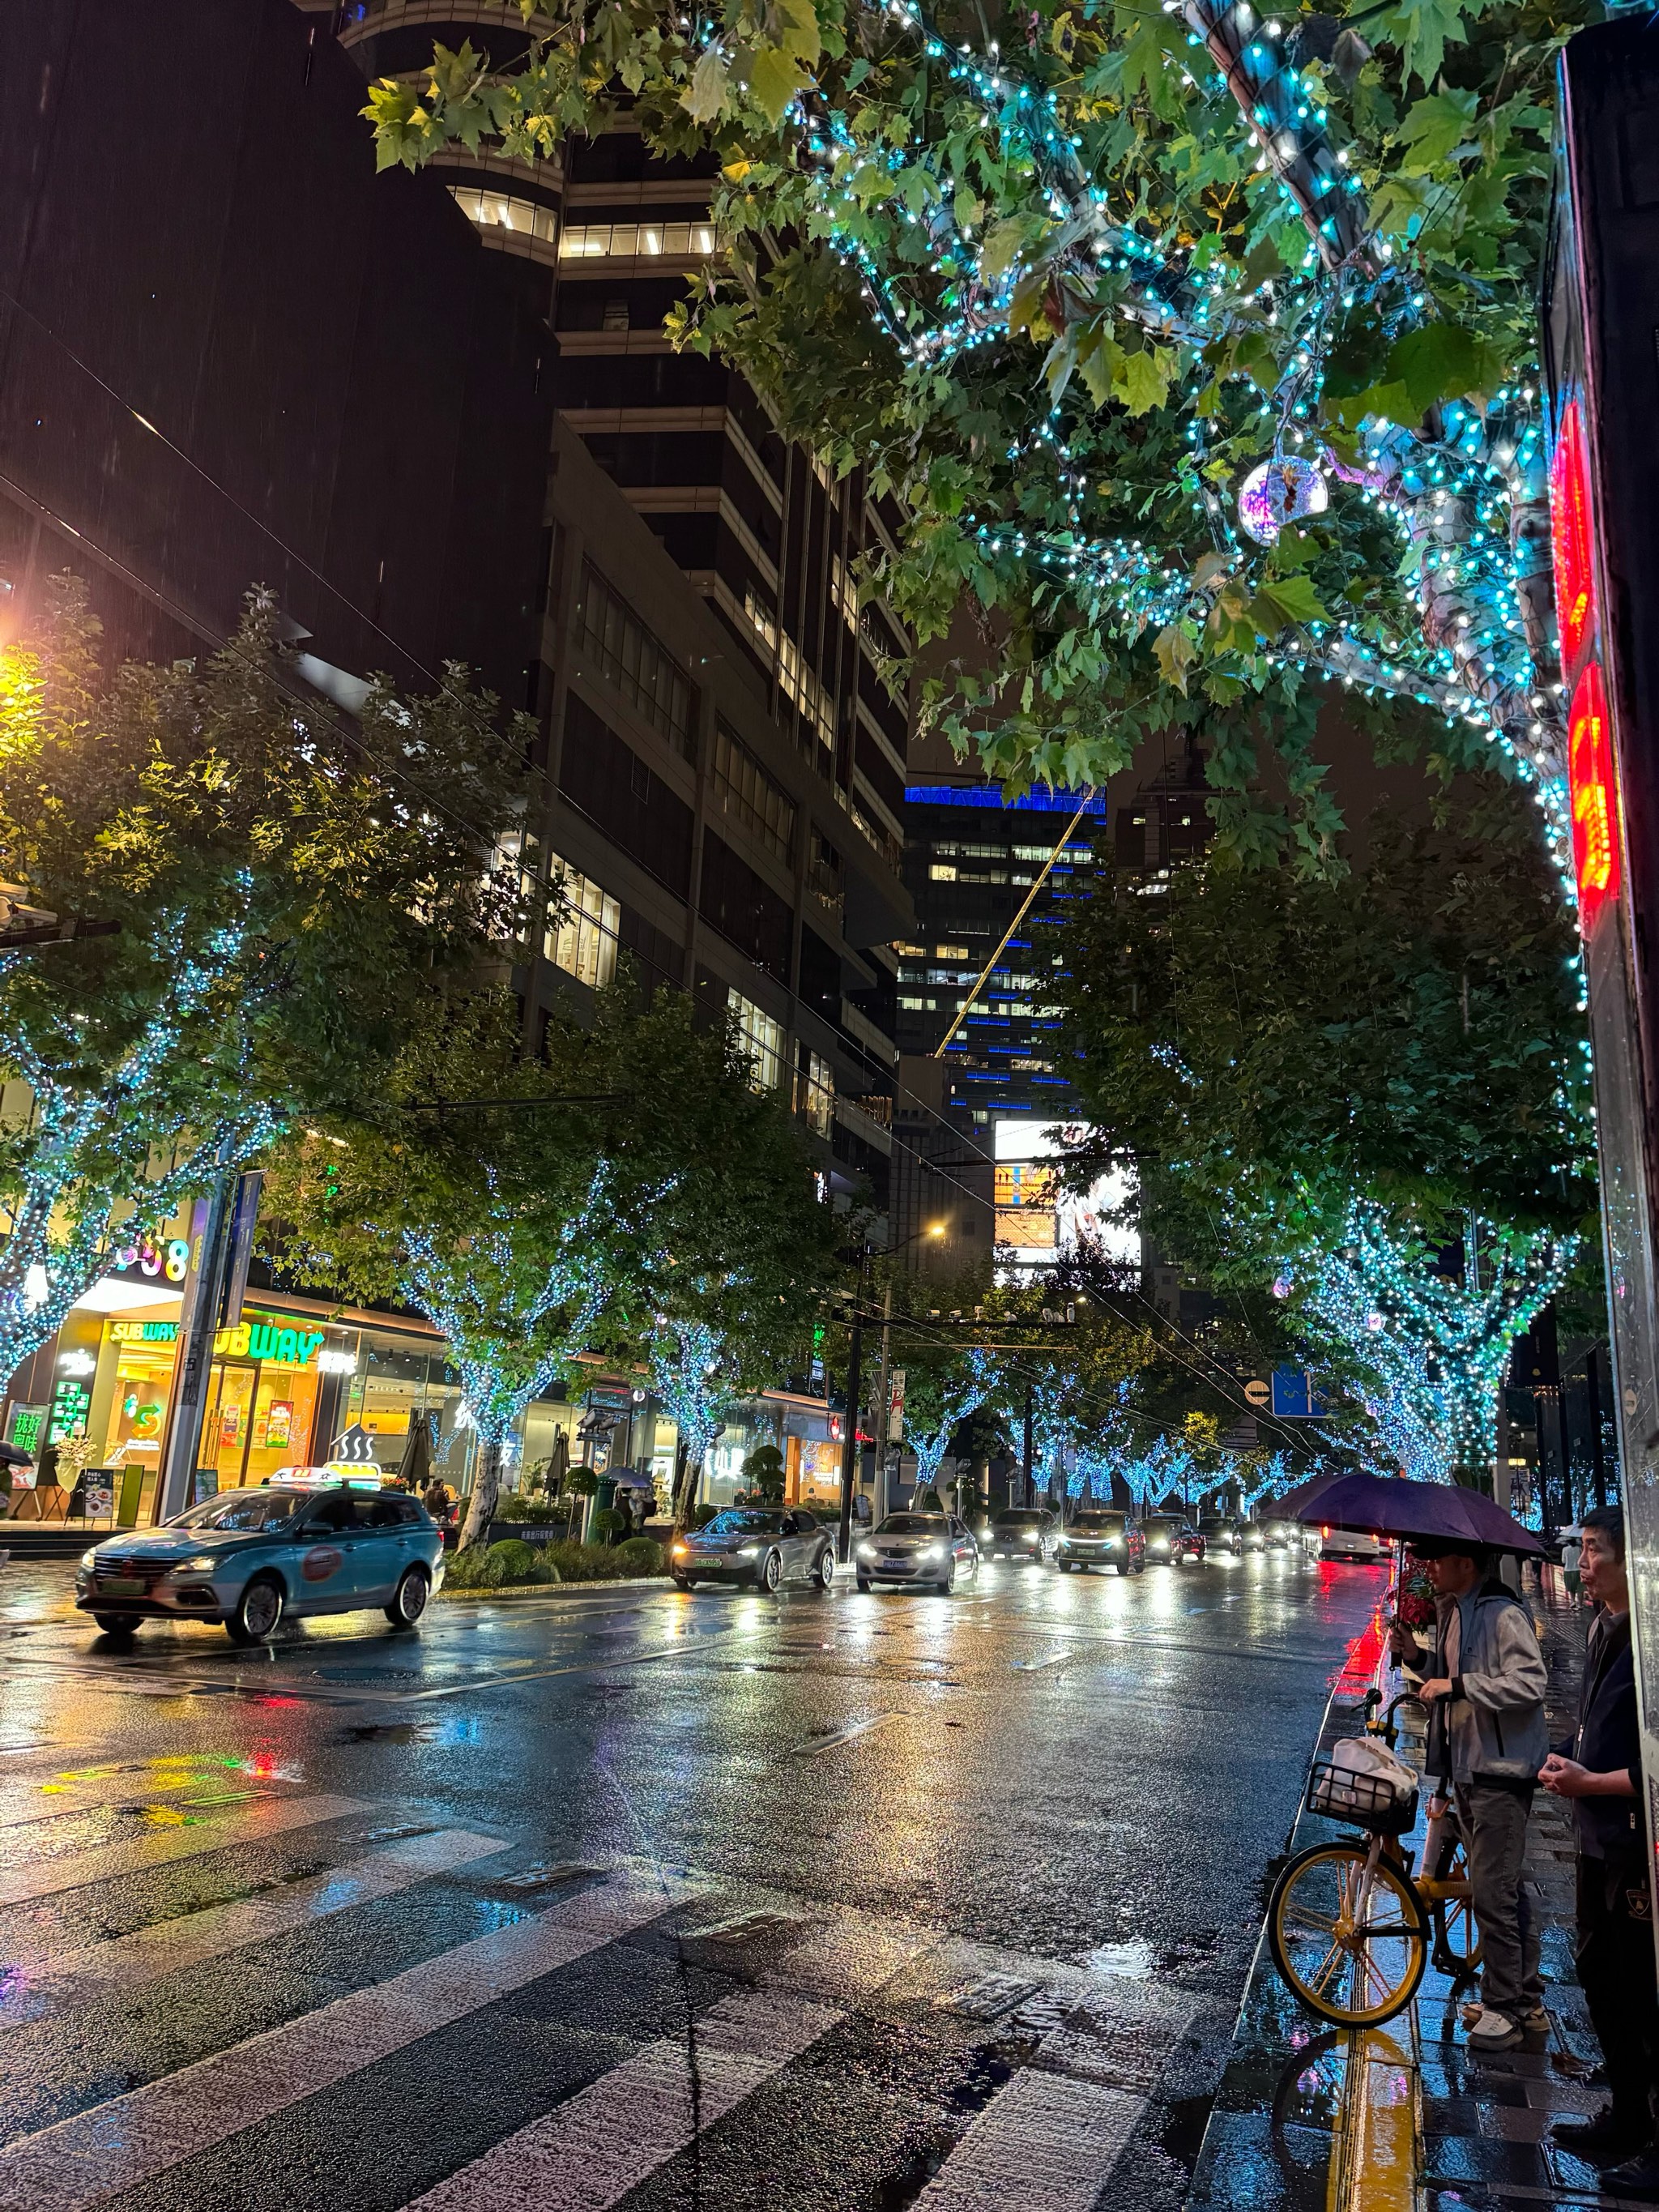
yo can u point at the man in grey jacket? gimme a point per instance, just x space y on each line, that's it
1487 1739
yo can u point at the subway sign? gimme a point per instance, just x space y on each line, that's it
276 1342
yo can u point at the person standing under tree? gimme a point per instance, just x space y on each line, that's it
1487 1739
1615 1959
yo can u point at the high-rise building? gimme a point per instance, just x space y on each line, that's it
728 769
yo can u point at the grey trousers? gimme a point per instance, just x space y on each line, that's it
1494 1825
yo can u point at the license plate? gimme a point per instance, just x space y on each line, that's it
122 1586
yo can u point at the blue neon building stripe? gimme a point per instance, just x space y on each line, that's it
990 794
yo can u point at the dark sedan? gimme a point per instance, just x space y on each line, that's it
1024 1532
1103 1540
764 1545
1222 1533
1170 1542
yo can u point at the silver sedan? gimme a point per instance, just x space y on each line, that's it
931 1549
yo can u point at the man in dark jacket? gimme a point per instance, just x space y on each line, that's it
1601 1772
1487 1739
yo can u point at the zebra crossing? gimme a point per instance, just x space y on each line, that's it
568 2035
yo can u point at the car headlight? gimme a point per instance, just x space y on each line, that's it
679 1551
87 1557
866 1550
935 1551
749 1550
203 1564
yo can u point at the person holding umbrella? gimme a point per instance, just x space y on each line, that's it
1487 1740
1600 1771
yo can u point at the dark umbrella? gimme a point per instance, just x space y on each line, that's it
1391 1506
14 1455
414 1467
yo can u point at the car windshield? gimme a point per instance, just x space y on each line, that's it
1162 1525
246 1509
1022 1519
911 1524
1099 1524
1215 1521
736 1524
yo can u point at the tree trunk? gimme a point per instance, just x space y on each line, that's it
486 1491
685 1503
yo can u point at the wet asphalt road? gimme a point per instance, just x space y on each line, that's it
638 1899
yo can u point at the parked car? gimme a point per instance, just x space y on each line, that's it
1351 1544
247 1558
1222 1533
762 1544
1170 1542
933 1549
1022 1532
1103 1540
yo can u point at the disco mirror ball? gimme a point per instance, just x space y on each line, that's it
1279 491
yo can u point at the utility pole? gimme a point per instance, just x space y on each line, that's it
198 1324
850 1443
884 1389
1030 1477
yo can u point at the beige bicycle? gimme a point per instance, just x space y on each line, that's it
1350 1924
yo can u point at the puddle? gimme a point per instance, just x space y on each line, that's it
1135 1959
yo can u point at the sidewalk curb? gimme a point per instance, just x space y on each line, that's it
554 1591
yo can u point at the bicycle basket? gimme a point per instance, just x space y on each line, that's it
1348 1793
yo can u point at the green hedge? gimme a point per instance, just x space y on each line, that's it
514 1564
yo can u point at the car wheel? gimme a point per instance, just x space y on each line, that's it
408 1600
258 1610
825 1579
1066 1566
682 1582
769 1573
948 1581
864 1583
117 1625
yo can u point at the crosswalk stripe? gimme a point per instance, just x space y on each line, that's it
580 2158
271 1816
79 2161
75 1974
1045 2143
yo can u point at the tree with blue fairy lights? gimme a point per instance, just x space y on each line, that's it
1196 346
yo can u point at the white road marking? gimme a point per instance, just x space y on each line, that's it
75 1974
271 1816
78 2162
588 2152
1049 1659
1046 2143
809 1746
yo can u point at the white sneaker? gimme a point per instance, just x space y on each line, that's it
1493 2031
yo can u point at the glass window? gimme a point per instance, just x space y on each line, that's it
499 211
642 669
815 1094
762 1038
748 795
600 242
585 942
912 1524
246 1509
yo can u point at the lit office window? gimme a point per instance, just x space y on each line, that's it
585 942
815 1094
633 242
761 1038
494 211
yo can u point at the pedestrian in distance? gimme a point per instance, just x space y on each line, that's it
1487 1739
1599 1771
1572 1546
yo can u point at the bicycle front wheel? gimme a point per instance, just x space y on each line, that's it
1351 1939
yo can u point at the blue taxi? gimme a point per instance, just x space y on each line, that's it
250 1558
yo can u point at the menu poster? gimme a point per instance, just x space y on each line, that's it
279 1423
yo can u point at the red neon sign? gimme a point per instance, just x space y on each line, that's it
1594 814
1570 521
